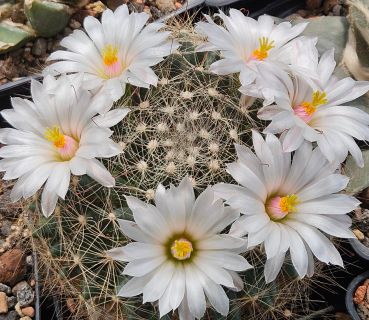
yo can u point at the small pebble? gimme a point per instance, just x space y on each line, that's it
337 10
39 47
11 302
11 315
3 303
24 293
303 13
165 5
360 294
74 24
5 288
19 310
32 282
359 235
29 260
28 311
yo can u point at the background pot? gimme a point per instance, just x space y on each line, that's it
255 8
361 250
351 308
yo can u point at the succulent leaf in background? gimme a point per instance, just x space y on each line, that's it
47 17
13 35
359 177
331 33
356 54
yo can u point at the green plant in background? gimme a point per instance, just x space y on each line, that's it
13 35
356 52
45 18
187 125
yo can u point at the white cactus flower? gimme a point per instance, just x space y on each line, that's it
245 43
180 256
286 205
57 134
117 51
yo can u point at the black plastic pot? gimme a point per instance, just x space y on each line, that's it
361 250
19 88
254 8
350 306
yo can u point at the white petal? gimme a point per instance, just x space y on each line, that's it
321 247
293 139
216 295
184 311
98 172
177 287
214 272
331 184
132 230
220 242
298 253
111 118
225 259
237 280
325 223
136 250
140 267
57 185
329 204
246 224
272 241
156 287
194 292
148 218
273 266
135 286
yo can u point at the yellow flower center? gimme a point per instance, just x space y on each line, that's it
55 136
279 207
110 55
263 51
66 146
318 98
181 249
288 203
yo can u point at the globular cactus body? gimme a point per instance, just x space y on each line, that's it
187 125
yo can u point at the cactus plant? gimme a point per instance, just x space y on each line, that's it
185 126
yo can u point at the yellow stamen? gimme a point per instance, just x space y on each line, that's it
110 55
309 108
264 46
55 136
181 249
288 203
318 98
